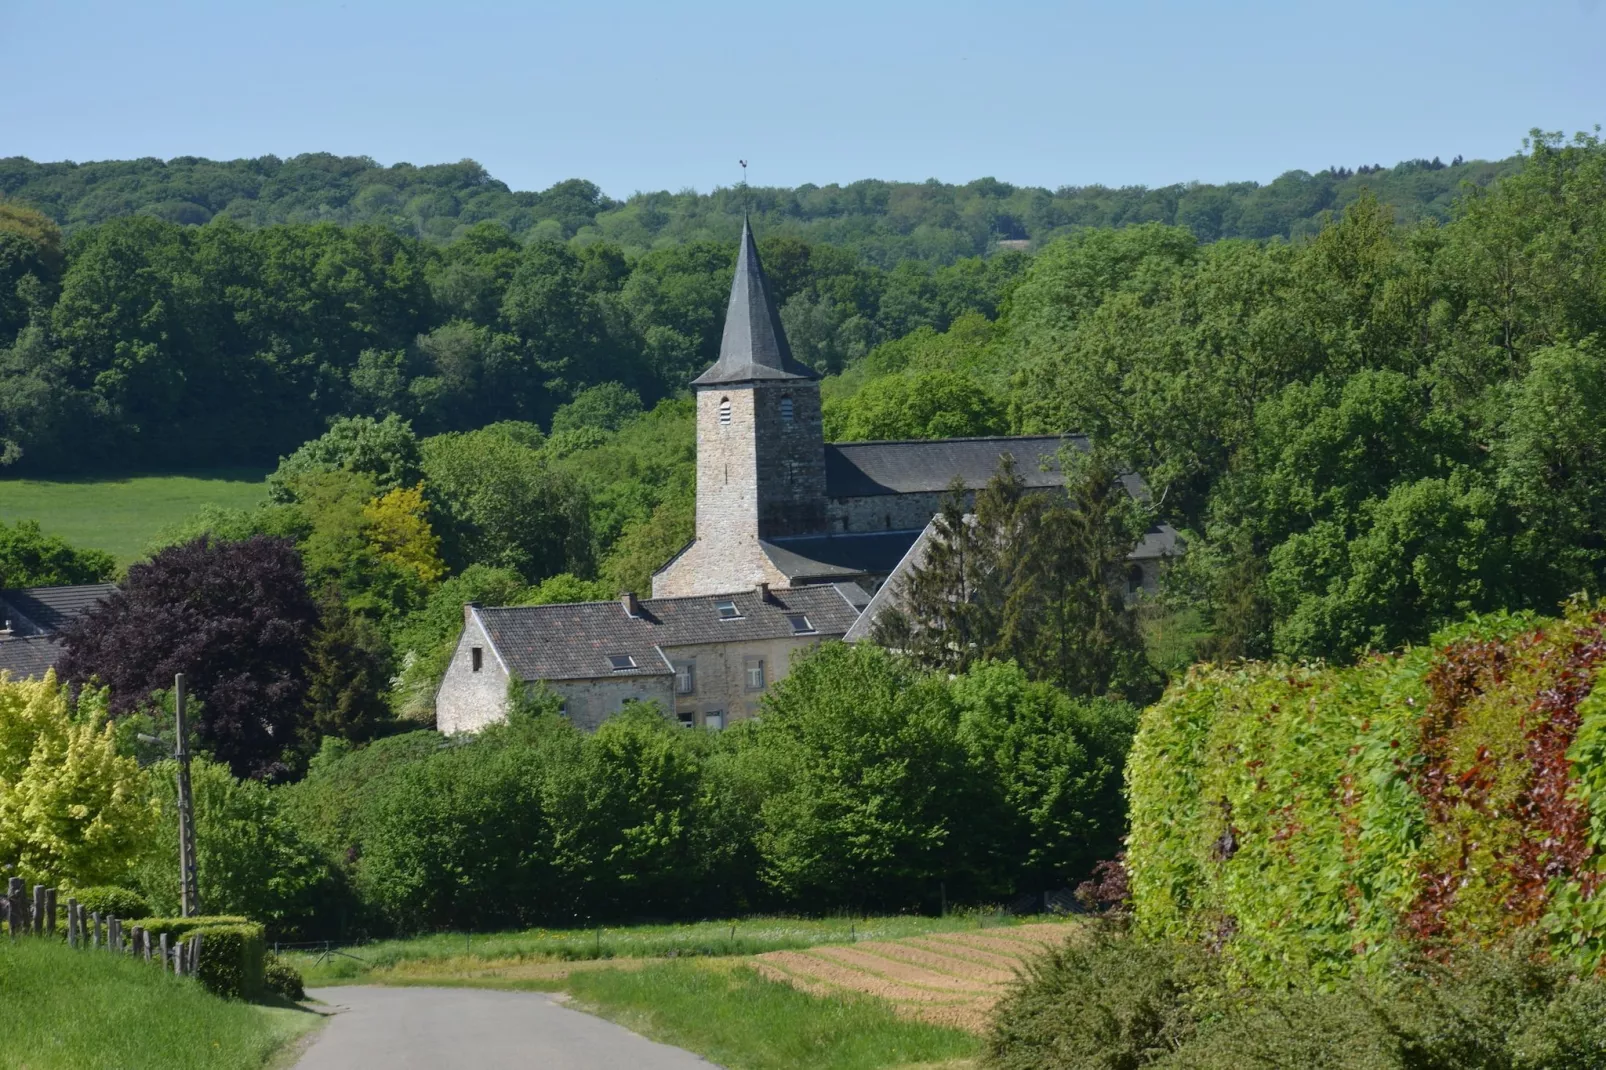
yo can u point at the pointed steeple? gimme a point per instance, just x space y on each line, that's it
754 345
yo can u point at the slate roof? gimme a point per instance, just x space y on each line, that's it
574 641
812 558
47 610
754 345
28 657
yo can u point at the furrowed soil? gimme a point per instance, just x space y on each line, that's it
952 979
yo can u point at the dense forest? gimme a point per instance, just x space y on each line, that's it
881 223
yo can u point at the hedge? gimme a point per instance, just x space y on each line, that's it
1314 821
111 901
232 951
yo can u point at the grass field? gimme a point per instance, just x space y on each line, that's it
121 516
80 1010
749 936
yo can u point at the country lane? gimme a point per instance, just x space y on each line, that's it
438 1028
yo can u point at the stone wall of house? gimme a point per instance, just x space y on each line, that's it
886 512
467 700
588 703
721 676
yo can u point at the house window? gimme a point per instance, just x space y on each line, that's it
800 624
786 410
727 610
476 656
1134 580
754 670
714 720
688 718
686 678
621 662
724 410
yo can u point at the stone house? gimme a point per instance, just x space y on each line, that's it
31 622
706 658
787 525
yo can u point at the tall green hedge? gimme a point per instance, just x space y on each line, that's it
1314 820
232 951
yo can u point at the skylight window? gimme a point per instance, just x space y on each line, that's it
800 623
727 610
621 662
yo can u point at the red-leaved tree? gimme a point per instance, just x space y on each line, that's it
235 617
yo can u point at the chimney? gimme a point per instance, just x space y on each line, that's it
763 591
468 610
631 603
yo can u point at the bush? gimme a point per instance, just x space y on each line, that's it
110 902
178 928
282 978
232 959
1105 1002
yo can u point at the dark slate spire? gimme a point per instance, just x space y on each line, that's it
754 345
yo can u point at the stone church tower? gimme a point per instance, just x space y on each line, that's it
760 447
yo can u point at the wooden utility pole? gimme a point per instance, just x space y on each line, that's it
189 882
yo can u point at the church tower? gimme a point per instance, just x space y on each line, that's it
760 447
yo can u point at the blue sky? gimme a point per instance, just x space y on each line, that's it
668 95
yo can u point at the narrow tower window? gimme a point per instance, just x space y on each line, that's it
786 410
724 410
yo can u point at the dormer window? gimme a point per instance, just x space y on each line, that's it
786 410
621 662
800 624
727 610
724 410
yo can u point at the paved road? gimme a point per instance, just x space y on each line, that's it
440 1028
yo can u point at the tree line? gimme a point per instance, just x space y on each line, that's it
881 222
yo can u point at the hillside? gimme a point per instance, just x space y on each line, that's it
884 222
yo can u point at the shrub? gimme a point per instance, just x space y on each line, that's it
282 978
111 902
232 959
1105 1002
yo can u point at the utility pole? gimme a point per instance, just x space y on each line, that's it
189 882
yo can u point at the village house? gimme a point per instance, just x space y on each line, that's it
797 540
32 620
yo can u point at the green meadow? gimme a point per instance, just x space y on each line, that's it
122 515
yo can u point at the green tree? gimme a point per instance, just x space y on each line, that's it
385 450
30 558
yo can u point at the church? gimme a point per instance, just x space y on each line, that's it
797 541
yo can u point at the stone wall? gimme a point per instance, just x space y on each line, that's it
721 677
886 512
467 701
588 703
790 459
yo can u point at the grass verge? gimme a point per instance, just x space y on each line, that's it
737 1019
122 516
750 936
79 1010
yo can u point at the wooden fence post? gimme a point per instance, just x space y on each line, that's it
161 944
94 944
114 934
72 922
136 941
14 905
38 927
50 913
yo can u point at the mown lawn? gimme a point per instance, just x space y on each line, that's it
122 516
83 1010
749 936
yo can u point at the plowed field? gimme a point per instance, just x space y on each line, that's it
946 978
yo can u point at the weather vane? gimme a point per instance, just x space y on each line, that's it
744 185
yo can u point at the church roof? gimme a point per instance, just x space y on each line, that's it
816 558
754 344
865 469
575 641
